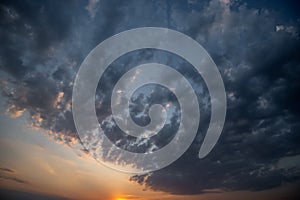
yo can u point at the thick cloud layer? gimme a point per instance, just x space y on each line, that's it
256 50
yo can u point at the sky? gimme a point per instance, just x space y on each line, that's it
255 45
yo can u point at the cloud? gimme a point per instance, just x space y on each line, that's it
261 127
18 180
255 50
7 170
7 174
13 194
92 7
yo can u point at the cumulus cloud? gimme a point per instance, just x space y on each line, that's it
255 50
255 58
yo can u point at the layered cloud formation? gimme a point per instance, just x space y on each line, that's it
256 50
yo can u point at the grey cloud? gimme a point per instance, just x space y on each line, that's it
7 170
37 69
44 44
8 174
255 61
17 180
14 194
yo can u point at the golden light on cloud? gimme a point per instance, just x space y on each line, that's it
120 199
14 111
59 99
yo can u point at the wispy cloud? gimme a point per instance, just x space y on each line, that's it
7 170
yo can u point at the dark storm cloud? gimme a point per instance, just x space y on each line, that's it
43 44
31 26
36 70
257 52
259 62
